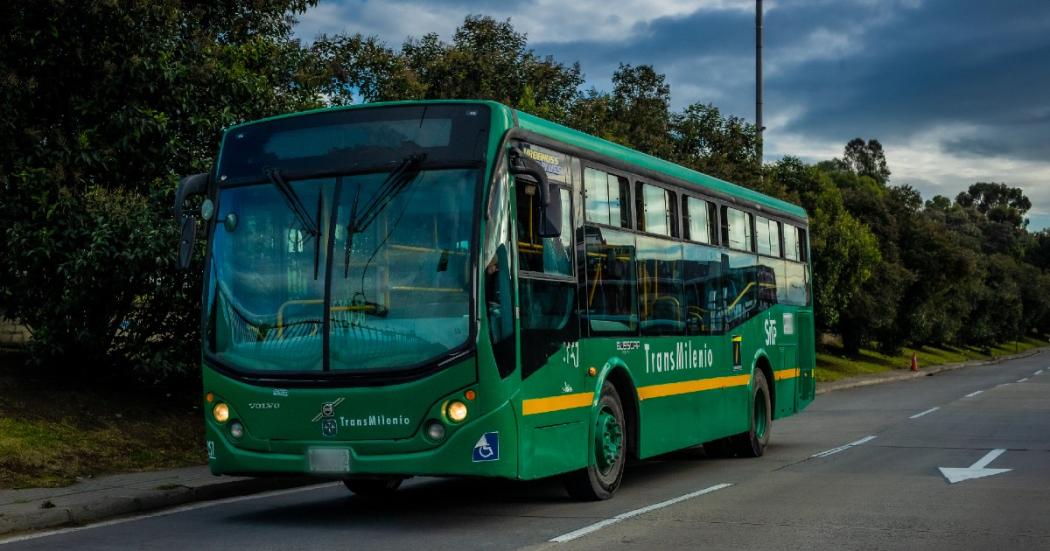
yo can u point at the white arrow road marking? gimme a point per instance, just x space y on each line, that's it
931 410
832 451
977 470
624 516
972 394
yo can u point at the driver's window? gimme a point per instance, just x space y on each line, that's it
545 255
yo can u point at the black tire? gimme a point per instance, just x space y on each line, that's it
753 442
604 471
373 487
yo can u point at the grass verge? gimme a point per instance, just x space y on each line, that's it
834 364
52 434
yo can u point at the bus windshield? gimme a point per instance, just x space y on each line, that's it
385 239
400 290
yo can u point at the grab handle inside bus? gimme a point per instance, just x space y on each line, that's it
189 186
549 210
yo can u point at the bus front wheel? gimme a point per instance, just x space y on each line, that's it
604 471
753 442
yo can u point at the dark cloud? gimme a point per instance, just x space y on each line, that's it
972 76
948 63
901 69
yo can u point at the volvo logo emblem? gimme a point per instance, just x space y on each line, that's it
328 410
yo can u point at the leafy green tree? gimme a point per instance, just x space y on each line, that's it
105 103
636 113
724 147
998 202
871 315
866 159
998 212
641 103
844 250
487 59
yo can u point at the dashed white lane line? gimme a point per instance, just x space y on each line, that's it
833 451
1022 380
972 394
166 512
1040 372
931 410
624 516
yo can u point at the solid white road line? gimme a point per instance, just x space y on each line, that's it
1022 380
624 516
166 512
931 410
833 451
972 394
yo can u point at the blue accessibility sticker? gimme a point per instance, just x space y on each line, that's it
487 448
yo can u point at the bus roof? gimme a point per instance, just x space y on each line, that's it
578 139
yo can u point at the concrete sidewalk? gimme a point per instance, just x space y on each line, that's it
107 497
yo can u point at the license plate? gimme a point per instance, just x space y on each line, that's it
329 460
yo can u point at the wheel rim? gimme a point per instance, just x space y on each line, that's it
761 425
608 440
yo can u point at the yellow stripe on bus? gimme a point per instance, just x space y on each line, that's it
687 387
584 399
556 403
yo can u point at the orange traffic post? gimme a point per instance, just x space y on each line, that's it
914 361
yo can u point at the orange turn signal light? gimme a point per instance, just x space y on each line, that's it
209 397
470 395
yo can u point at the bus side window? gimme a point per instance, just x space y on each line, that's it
702 274
609 298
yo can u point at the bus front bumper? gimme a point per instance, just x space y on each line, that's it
485 446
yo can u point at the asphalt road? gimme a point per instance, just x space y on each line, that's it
811 490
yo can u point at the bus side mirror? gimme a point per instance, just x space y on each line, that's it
189 186
549 208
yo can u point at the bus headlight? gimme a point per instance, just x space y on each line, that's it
221 412
236 429
456 411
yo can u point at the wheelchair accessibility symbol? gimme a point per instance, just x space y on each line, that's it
487 448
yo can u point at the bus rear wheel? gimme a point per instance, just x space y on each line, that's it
602 476
372 487
753 442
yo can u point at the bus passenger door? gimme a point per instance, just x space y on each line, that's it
552 435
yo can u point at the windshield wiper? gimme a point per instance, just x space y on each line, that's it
293 201
403 174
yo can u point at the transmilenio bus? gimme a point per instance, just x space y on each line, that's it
458 288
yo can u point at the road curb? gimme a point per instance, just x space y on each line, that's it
891 377
49 512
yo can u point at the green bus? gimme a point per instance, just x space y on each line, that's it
457 288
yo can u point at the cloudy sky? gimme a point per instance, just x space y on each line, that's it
957 91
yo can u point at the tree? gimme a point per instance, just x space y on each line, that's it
636 113
866 159
487 59
724 147
997 202
844 250
105 103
